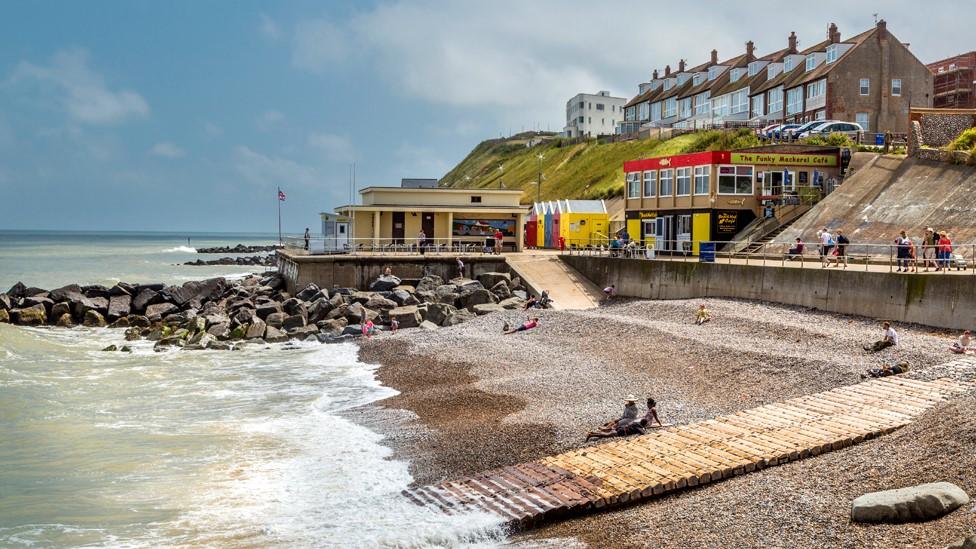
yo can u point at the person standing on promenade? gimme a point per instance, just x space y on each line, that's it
499 237
421 241
826 244
901 251
944 251
840 251
308 236
460 268
912 255
889 339
929 245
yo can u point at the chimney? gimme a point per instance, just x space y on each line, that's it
667 71
833 34
681 65
750 51
882 29
654 75
714 57
792 42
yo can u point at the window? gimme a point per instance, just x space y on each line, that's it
740 101
862 119
650 183
667 84
697 79
794 100
589 105
788 63
670 107
735 180
702 104
865 86
775 96
754 67
666 183
603 120
772 70
599 106
816 89
821 115
896 87
684 225
581 104
684 108
720 106
656 111
713 73
701 179
735 75
811 62
643 111
633 185
589 120
832 51
475 199
757 105
581 120
683 177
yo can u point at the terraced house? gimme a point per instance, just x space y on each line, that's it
871 78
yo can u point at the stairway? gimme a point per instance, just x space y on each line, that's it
545 271
757 245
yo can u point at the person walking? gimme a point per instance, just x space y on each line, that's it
929 245
944 251
308 236
826 244
499 237
840 251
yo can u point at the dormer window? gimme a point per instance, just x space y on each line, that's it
771 71
788 64
734 75
712 73
811 62
754 68
667 84
697 79
831 53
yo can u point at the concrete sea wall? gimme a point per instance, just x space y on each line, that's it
945 301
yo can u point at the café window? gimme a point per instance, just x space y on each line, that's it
735 180
683 177
666 179
650 183
701 179
633 185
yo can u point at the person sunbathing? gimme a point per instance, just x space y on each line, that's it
886 370
528 325
964 345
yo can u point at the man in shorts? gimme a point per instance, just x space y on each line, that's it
527 325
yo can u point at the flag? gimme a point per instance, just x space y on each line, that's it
281 195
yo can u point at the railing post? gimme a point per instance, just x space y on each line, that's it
889 258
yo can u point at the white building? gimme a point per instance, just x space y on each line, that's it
591 115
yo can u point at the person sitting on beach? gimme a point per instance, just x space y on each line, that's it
369 329
703 315
796 250
628 424
890 339
886 370
964 345
388 271
530 303
651 415
527 325
544 300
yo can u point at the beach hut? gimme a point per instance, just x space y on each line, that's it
584 222
547 224
531 227
540 224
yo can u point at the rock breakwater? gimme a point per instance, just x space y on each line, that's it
239 249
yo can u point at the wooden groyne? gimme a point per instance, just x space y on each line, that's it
662 461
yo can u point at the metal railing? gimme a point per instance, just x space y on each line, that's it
866 256
319 245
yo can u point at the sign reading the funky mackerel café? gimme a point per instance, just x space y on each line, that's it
781 159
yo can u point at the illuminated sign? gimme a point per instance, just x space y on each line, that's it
779 159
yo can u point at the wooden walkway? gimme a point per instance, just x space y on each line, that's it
635 468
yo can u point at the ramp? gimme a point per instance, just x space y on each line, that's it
567 287
666 460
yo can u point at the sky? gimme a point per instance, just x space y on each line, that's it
188 115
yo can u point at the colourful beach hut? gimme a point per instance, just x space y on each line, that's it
584 222
531 228
547 224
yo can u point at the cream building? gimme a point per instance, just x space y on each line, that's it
396 215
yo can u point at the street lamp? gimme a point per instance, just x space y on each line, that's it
540 156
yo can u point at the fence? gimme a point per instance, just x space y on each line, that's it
862 255
394 246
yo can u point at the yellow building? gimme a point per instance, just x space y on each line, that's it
583 222
397 215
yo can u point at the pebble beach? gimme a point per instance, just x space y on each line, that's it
472 399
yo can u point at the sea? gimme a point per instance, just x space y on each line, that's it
230 449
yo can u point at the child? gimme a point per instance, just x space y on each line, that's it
609 292
369 329
703 315
394 325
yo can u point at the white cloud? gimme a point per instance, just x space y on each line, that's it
269 171
269 120
167 150
83 92
336 148
269 27
318 44
213 130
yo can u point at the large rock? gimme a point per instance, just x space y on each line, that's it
488 280
457 317
275 319
38 300
65 321
17 291
438 312
476 297
265 309
403 297
501 290
332 327
308 293
428 325
139 321
5 304
119 306
467 285
220 331
194 291
511 303
94 319
429 283
295 306
292 322
200 342
34 315
303 332
60 309
385 283
70 293
915 503
256 329
407 317
157 311
380 303
5 316
143 299
485 308
319 309
274 335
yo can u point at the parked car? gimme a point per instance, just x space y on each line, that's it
851 129
795 133
767 132
780 132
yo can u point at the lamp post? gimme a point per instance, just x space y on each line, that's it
540 156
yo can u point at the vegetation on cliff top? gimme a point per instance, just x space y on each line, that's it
589 169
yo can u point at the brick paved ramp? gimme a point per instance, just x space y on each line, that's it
636 468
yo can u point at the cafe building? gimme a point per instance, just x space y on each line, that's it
674 202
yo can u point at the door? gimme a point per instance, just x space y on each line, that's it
649 232
398 229
427 225
341 236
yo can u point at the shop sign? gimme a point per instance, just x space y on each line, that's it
736 201
727 222
635 214
781 159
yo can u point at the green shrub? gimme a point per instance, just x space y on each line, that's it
832 140
722 140
965 142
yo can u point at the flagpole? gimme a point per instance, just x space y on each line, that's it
278 199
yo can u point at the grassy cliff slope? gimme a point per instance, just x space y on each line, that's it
572 170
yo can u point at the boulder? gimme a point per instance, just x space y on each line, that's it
333 327
964 543
467 285
34 315
457 317
60 309
95 290
30 301
403 297
438 312
352 330
510 303
65 321
501 290
255 329
242 317
111 348
220 331
476 297
515 283
194 291
122 322
17 291
203 341
359 297
384 283
356 312
5 316
485 308
292 322
143 299
138 321
380 303
428 325
265 309
122 288
308 293
215 317
407 317
294 306
275 319
239 303
429 283
119 306
274 335
319 309
275 282
489 280
238 332
338 312
94 319
5 304
303 332
521 294
406 288
157 311
911 504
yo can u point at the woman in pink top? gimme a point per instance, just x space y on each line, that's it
944 251
528 325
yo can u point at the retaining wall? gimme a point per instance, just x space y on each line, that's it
945 301
360 271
